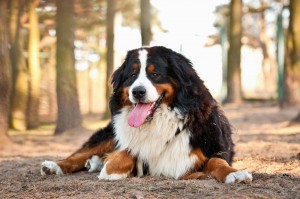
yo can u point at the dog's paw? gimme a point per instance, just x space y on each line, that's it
104 175
50 167
239 176
93 164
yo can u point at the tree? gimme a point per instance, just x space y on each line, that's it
33 66
234 52
4 75
66 85
145 22
110 40
269 64
291 79
19 93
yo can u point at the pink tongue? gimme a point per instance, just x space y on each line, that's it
139 114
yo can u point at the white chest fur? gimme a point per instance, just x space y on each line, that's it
155 142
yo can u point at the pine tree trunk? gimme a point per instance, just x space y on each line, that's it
51 70
110 38
291 87
19 93
5 78
33 67
66 85
234 53
145 22
269 64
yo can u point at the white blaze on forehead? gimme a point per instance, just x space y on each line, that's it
142 80
143 60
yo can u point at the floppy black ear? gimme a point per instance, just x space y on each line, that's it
117 78
192 93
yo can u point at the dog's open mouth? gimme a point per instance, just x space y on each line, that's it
143 112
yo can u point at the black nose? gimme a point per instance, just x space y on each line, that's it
139 92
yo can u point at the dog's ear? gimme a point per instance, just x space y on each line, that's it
191 91
188 86
118 76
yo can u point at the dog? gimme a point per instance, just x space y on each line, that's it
164 122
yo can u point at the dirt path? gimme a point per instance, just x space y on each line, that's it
264 146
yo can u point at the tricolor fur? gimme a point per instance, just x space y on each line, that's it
164 122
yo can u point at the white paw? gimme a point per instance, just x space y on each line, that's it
105 176
50 167
239 176
93 164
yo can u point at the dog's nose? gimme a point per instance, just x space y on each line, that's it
139 92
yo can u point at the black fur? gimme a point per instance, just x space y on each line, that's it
210 129
99 136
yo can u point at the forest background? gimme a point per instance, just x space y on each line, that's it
57 57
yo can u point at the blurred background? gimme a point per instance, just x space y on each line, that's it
57 57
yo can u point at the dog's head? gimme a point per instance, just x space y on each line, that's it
152 76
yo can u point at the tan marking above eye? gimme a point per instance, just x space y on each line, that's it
151 68
135 67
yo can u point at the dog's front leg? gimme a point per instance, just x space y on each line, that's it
117 165
221 170
89 157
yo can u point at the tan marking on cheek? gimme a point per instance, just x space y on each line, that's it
168 90
151 68
119 162
125 96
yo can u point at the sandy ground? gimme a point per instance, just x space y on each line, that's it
265 146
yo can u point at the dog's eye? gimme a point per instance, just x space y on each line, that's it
155 75
133 75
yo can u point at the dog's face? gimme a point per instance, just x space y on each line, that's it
150 77
144 78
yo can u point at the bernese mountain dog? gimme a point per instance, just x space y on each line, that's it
164 122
